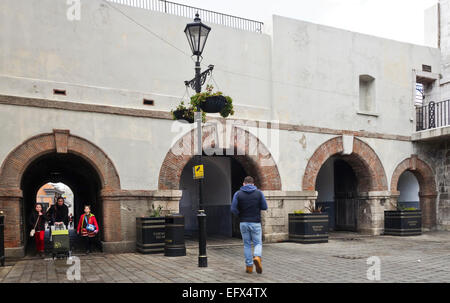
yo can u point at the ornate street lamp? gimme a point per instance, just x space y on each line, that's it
197 34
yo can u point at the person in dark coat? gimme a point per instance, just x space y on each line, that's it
58 213
247 204
37 222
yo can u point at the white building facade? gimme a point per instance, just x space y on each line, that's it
316 101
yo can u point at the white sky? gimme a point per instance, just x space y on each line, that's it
401 20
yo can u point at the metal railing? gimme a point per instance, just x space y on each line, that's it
433 115
190 11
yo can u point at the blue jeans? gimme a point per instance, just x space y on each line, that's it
251 232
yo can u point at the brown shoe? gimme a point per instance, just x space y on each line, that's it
258 264
249 269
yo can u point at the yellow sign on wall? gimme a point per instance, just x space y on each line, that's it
199 172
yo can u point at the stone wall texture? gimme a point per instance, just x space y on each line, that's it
438 155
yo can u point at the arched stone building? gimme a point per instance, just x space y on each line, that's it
321 117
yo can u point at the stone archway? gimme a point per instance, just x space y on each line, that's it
364 161
367 206
262 166
248 152
59 142
428 191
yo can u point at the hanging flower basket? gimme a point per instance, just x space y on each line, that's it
210 102
184 113
213 104
179 114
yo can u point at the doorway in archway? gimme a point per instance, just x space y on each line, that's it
223 177
337 187
408 186
77 174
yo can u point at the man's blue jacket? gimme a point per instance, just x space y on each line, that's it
248 203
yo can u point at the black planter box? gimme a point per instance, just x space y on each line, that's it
308 228
150 234
213 104
403 222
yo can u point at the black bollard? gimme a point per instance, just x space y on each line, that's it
202 258
2 239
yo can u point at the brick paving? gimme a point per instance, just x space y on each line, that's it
424 258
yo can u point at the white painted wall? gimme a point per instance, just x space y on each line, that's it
431 24
105 58
306 73
316 73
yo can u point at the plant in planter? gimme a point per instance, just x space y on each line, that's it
309 225
180 112
155 212
185 113
405 221
150 232
213 102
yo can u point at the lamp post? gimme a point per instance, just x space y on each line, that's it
197 34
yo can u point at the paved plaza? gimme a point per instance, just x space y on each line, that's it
424 258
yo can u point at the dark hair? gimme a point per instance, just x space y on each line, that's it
249 180
59 198
87 206
42 207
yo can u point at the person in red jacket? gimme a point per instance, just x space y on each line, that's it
87 227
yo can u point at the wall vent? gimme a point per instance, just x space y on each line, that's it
426 68
149 102
61 92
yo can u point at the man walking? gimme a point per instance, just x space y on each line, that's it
247 204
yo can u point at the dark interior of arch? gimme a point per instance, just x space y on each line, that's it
71 170
216 185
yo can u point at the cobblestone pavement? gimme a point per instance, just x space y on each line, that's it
424 258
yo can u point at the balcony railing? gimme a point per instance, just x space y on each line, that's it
433 115
190 11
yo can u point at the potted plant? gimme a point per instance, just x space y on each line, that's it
405 221
180 112
186 113
308 226
213 102
150 232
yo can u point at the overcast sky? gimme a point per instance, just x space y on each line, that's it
401 20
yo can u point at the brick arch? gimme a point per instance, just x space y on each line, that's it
363 160
59 141
261 166
427 186
421 170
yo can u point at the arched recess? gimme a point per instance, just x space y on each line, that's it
260 165
60 142
363 160
427 185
